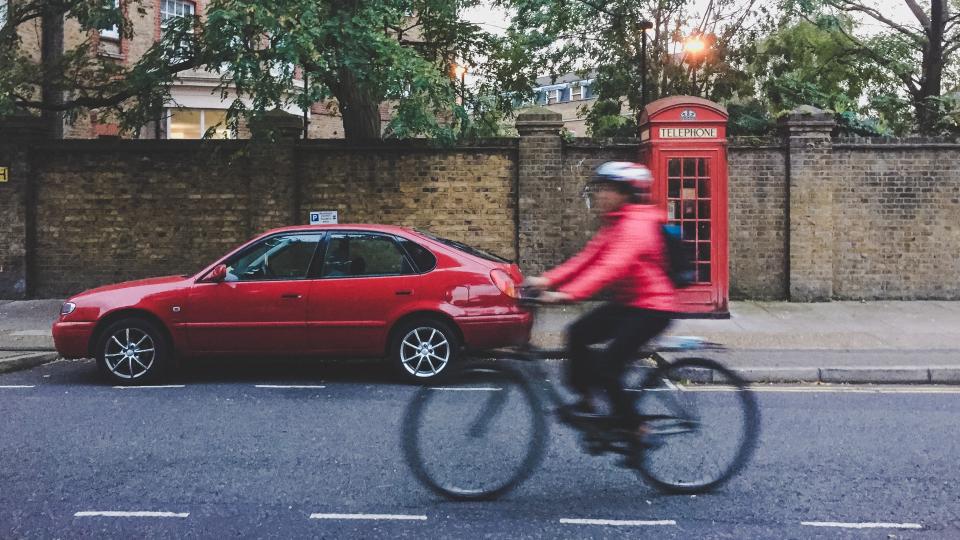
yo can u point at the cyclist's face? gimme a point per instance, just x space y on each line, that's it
609 198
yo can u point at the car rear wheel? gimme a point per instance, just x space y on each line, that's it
424 349
132 351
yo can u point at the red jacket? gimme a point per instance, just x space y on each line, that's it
628 254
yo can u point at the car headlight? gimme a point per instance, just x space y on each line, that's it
67 308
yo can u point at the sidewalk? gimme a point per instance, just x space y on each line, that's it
902 342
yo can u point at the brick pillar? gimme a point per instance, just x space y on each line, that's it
17 204
273 171
810 269
539 196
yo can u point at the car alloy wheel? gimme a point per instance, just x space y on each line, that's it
129 353
425 351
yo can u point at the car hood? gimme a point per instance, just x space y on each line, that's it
151 285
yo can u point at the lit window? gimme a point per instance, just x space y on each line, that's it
3 12
172 9
193 123
114 31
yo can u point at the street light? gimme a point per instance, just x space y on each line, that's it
695 47
645 25
460 72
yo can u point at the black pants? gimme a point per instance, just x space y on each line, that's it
627 329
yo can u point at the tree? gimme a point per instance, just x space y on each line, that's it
579 35
917 52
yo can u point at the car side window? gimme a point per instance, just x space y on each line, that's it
279 257
361 254
421 256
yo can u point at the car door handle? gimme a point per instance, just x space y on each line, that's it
291 295
405 292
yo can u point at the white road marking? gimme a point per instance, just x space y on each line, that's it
862 525
402 517
289 386
475 389
155 386
618 522
112 513
17 386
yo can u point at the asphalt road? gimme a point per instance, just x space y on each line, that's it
216 455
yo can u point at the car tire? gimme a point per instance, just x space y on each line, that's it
133 351
424 350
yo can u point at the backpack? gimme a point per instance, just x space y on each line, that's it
680 265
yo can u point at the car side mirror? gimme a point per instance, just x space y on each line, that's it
218 274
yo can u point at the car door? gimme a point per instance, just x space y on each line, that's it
364 280
261 306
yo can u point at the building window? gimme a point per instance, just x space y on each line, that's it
577 92
194 123
553 96
114 31
3 12
172 9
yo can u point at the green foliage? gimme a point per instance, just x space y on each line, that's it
605 120
750 119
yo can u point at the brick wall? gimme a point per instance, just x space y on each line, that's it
896 215
813 219
110 211
757 212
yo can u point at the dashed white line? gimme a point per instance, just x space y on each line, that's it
289 386
474 389
375 517
619 522
862 525
137 513
154 386
11 386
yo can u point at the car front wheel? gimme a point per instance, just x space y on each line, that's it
132 351
423 350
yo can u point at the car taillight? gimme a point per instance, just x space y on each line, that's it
505 283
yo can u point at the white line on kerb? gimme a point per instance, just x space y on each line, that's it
155 386
862 525
17 386
289 386
618 522
112 513
475 389
403 517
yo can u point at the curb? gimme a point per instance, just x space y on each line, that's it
26 361
847 375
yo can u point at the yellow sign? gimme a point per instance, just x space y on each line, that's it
688 133
4 174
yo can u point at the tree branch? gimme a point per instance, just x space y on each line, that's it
849 6
918 13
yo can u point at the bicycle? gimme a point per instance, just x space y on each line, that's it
498 409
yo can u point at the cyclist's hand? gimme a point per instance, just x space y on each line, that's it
553 297
536 282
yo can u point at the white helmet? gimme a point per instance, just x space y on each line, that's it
635 175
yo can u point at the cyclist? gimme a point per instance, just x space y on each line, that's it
628 256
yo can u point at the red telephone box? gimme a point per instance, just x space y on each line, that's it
683 139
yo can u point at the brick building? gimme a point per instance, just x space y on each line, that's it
195 106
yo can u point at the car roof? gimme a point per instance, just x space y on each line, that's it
392 229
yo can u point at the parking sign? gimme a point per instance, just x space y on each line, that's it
323 217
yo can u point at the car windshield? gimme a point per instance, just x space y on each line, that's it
476 252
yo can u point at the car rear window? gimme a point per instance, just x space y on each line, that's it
422 258
476 252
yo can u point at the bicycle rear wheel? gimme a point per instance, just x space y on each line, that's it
702 434
477 436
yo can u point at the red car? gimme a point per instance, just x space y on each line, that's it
327 290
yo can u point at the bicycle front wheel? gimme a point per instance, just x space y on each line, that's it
703 424
477 435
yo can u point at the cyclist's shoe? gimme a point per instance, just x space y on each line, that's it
583 410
